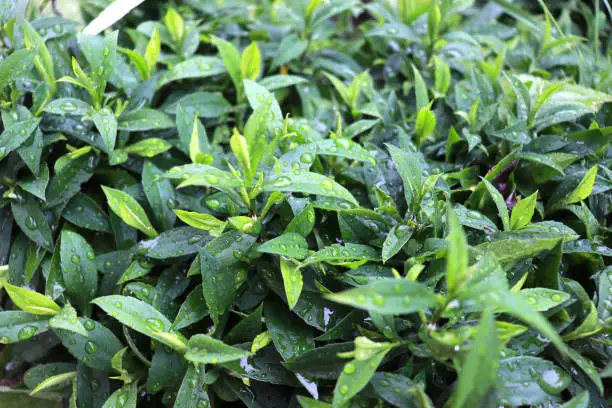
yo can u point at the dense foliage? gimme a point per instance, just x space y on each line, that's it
308 203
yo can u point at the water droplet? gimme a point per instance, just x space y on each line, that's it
349 368
307 158
26 332
554 381
4 340
327 184
194 239
282 182
155 324
91 347
172 203
90 255
203 403
379 299
68 107
30 222
212 203
406 300
555 297
531 300
89 324
75 259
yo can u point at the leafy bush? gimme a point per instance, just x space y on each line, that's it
308 203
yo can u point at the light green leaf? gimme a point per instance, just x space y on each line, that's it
250 62
204 349
523 211
128 209
30 301
457 255
202 221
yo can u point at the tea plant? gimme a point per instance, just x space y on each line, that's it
308 203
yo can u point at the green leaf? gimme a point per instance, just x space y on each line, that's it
39 373
150 147
258 95
192 393
194 67
355 375
16 134
289 49
582 190
516 306
101 54
408 166
343 147
31 301
68 106
15 65
152 52
589 326
479 370
291 336
54 381
138 316
67 180
202 221
422 99
398 237
124 397
32 221
442 76
160 195
500 203
106 124
192 310
204 175
580 401
250 62
530 380
67 319
274 82
336 254
204 349
85 212
19 326
78 265
97 349
144 119
37 185
457 256
289 244
542 299
231 58
389 296
217 283
425 124
523 211
310 183
292 279
128 209
321 362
